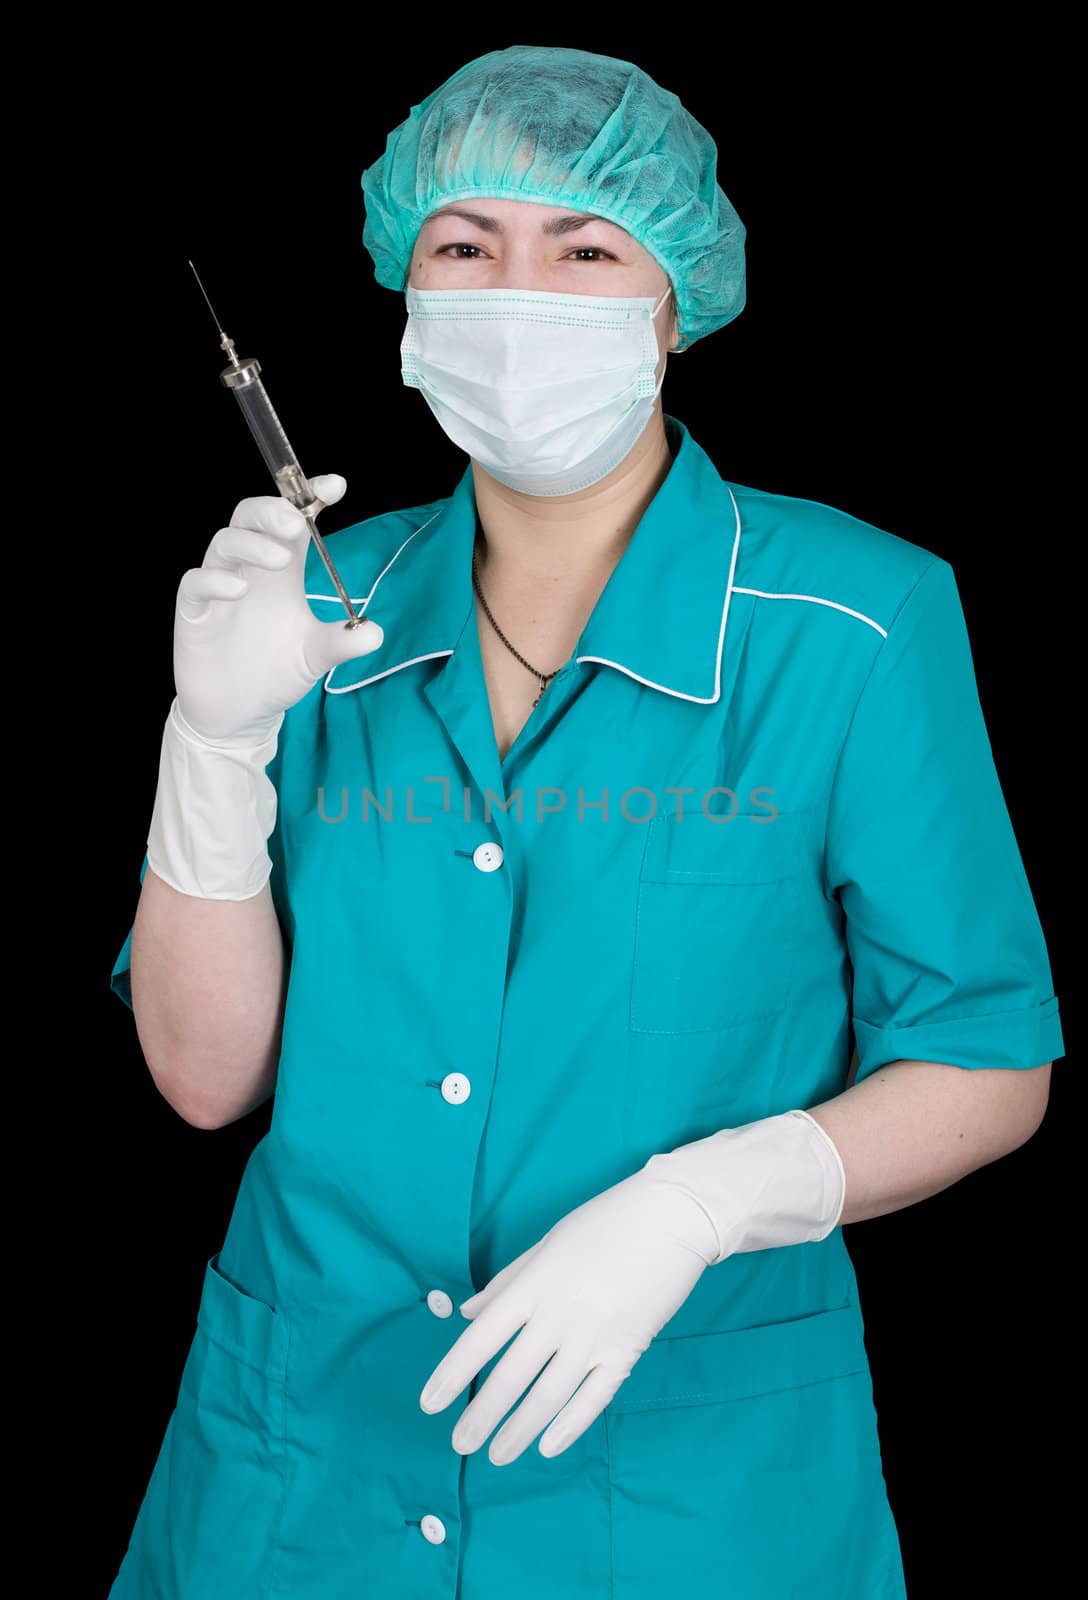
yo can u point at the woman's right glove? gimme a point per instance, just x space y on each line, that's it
247 647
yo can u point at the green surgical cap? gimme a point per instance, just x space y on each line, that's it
565 128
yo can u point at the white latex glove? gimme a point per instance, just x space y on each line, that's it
246 644
601 1284
247 647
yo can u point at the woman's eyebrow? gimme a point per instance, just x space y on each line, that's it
568 224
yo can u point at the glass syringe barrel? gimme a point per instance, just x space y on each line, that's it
242 378
267 429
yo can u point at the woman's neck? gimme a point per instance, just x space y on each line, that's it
542 547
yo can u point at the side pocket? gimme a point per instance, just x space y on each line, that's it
708 1368
748 1462
209 1522
243 1326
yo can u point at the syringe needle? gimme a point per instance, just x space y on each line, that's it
204 292
242 378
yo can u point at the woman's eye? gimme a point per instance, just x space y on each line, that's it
582 250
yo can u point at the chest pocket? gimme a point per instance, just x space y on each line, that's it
715 922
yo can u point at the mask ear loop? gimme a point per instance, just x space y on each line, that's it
680 347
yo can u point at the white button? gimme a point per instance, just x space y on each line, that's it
433 1529
455 1088
440 1303
488 856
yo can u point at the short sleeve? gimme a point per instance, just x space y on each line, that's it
948 955
121 977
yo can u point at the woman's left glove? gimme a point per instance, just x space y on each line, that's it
599 1286
588 1298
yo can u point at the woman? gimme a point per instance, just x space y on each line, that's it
552 903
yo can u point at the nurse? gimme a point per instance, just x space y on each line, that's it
606 916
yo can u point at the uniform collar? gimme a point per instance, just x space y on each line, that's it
661 618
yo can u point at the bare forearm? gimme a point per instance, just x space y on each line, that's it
208 985
914 1128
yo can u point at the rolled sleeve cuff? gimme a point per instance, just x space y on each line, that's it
121 976
1017 1039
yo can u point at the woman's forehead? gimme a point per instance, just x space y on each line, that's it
495 216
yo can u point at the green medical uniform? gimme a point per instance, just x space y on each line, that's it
752 826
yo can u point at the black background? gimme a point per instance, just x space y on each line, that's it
894 359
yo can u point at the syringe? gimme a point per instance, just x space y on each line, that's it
249 391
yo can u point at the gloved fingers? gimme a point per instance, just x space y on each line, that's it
549 1394
272 514
474 1348
201 585
330 487
232 545
582 1410
533 1348
328 643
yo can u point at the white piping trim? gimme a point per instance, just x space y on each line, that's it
361 683
817 600
703 700
700 699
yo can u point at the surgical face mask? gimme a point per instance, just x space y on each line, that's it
548 392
